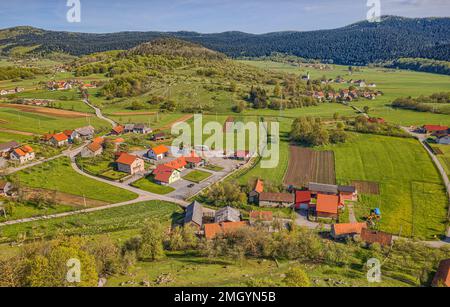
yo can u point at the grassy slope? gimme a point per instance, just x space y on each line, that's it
147 185
412 199
59 175
120 219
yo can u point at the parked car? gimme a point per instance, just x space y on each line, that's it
191 186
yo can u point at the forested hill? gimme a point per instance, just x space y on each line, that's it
359 43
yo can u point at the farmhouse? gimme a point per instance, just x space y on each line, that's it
317 188
72 135
194 215
5 148
23 154
158 152
165 175
159 137
342 231
177 164
213 230
227 214
137 128
276 200
118 130
370 237
86 133
302 200
59 140
130 164
442 277
142 129
428 129
327 206
253 196
92 150
347 193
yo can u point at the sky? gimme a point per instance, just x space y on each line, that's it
207 16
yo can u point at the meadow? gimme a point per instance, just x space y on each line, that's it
147 184
50 174
125 219
412 197
392 82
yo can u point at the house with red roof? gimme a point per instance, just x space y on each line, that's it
327 206
92 150
345 230
59 140
214 230
194 162
118 130
429 129
302 200
253 196
165 175
178 164
22 154
130 164
158 153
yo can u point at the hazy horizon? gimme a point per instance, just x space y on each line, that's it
213 16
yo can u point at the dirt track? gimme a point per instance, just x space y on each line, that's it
46 111
180 120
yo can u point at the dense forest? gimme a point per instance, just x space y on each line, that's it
358 44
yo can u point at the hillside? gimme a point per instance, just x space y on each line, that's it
359 43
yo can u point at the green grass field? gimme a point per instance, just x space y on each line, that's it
127 219
197 176
58 175
413 199
147 184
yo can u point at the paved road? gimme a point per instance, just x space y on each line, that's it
99 113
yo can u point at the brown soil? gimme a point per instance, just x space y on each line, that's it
64 198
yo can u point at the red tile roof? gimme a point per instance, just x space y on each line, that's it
94 146
159 150
118 129
434 128
177 163
277 197
442 276
19 152
348 228
327 203
163 173
371 237
127 159
266 216
68 132
212 230
194 160
259 186
98 140
60 137
302 197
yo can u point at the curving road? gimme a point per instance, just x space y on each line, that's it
99 113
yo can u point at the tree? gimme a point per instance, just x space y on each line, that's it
152 247
366 109
296 277
277 90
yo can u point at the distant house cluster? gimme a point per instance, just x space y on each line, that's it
12 91
440 133
34 102
14 151
67 137
131 128
321 200
346 95
68 85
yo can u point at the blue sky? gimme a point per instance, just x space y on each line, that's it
207 16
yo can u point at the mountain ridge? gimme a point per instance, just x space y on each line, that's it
359 43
